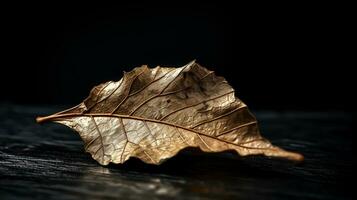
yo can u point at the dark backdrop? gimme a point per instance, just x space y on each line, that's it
276 57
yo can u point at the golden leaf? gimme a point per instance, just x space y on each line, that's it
152 114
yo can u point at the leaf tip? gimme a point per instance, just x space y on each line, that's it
297 157
284 154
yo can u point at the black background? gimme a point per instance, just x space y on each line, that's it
280 57
275 56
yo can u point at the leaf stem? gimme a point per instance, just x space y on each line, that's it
44 119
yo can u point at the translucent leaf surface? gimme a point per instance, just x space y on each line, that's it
152 114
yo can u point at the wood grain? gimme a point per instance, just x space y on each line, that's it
47 162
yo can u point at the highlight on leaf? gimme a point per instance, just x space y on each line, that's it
152 114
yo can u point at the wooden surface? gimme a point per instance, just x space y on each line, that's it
48 162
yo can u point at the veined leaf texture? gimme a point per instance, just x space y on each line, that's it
152 114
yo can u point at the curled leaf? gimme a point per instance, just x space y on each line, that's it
152 114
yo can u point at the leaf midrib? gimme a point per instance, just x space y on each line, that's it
54 117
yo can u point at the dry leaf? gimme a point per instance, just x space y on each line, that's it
152 114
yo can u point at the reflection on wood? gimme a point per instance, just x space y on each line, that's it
48 162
